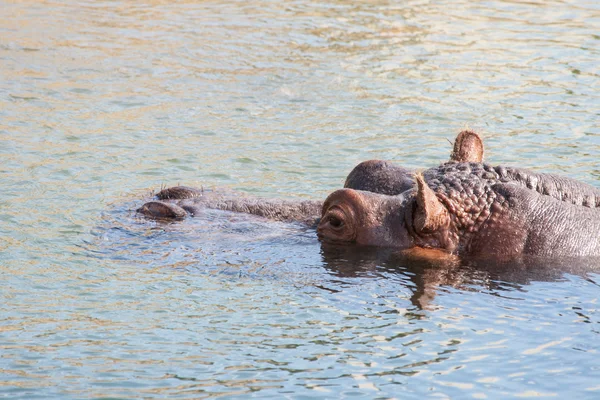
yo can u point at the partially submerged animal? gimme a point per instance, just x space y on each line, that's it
462 207
471 209
375 176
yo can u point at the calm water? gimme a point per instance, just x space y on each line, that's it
101 103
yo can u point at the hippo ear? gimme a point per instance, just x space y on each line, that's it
430 214
468 147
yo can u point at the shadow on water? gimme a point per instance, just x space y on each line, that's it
426 276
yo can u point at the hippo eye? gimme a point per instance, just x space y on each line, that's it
335 222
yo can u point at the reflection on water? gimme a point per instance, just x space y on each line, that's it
102 102
425 274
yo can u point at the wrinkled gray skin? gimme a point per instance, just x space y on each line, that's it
383 177
181 201
375 175
472 209
462 207
559 187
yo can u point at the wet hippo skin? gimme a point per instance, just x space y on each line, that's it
463 207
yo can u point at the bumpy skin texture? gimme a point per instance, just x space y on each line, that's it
462 207
511 211
473 209
384 177
558 187
475 174
375 176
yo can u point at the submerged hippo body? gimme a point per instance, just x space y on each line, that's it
376 176
462 207
181 201
472 209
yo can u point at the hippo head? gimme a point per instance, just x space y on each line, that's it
414 218
354 216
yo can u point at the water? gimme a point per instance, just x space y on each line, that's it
103 102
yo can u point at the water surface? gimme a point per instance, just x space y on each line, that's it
101 103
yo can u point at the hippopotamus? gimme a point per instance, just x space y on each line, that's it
384 177
471 209
375 176
464 207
